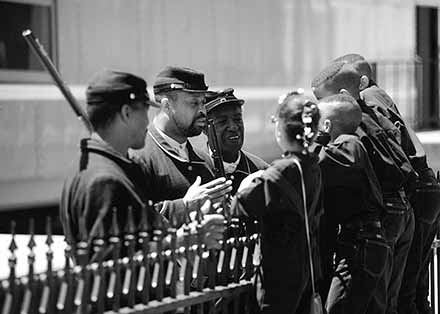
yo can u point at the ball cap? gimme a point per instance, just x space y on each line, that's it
180 78
114 87
223 97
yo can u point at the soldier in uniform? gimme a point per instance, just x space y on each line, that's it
425 200
390 164
226 112
276 197
117 105
353 202
170 162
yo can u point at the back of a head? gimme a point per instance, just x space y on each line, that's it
359 63
291 110
108 90
343 111
334 77
349 58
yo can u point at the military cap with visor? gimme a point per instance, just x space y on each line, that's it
180 78
117 88
221 98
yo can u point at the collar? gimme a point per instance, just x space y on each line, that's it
96 144
230 167
170 151
240 165
179 149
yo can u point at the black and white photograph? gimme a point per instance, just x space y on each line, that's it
219 156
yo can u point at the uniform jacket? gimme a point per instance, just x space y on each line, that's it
168 176
390 163
249 163
105 180
283 238
351 188
378 99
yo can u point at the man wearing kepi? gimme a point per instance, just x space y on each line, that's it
353 201
390 164
171 163
117 105
226 112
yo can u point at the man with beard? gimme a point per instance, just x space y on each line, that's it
226 112
170 162
107 178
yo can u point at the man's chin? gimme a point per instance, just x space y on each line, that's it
231 148
139 145
195 131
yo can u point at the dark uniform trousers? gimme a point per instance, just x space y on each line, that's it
394 172
367 254
414 290
399 231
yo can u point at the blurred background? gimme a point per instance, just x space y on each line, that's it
261 48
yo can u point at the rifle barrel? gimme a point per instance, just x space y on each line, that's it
38 49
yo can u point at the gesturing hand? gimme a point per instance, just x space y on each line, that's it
214 190
248 180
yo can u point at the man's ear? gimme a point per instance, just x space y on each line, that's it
165 104
125 112
327 125
364 82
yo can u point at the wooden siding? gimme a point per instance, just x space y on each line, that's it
260 47
235 42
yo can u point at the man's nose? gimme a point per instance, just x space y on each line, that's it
232 125
202 107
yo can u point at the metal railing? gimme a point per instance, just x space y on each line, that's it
148 278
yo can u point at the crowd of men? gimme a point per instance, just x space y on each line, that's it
350 160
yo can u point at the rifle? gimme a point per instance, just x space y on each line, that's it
38 49
219 169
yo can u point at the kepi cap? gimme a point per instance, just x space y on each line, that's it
114 87
223 97
180 78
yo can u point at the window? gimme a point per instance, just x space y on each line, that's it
17 61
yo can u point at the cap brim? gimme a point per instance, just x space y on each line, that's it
200 91
238 102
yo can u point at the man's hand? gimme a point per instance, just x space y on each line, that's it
248 180
213 228
215 190
339 286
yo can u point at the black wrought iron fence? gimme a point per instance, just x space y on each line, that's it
39 276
